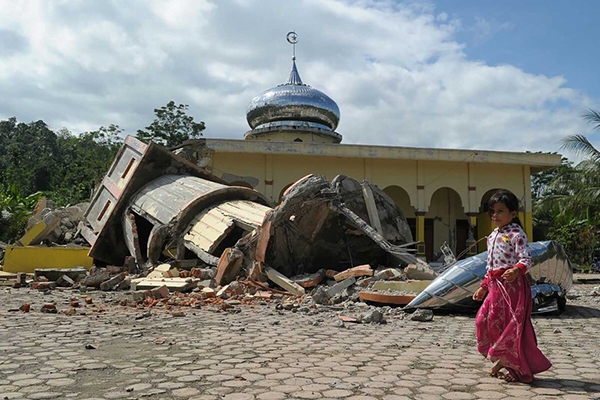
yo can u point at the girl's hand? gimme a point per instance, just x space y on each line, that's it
479 294
511 274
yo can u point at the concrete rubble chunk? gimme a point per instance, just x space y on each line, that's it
281 280
65 281
163 271
95 277
389 274
308 281
229 266
338 287
320 296
53 274
175 284
113 282
361 270
420 272
372 317
422 315
386 297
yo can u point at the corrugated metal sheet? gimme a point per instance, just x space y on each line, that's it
163 198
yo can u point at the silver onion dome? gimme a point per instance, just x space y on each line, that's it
295 104
293 107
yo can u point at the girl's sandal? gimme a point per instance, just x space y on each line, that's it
506 376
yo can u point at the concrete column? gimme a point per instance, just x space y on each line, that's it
472 239
269 176
368 169
420 231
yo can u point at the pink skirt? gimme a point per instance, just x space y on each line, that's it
504 331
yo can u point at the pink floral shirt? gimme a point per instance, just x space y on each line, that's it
507 248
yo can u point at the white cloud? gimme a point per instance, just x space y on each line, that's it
396 70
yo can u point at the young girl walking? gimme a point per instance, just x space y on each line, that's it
503 326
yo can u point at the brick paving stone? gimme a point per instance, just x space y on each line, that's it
45 395
372 391
271 396
222 390
457 396
488 395
27 382
239 396
384 378
432 389
356 379
11 395
286 388
383 384
296 381
308 395
171 385
267 383
237 383
185 392
315 387
337 393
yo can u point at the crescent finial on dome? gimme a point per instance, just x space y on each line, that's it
293 106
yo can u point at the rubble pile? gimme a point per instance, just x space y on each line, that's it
63 223
174 290
182 237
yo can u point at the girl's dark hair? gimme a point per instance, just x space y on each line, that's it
509 200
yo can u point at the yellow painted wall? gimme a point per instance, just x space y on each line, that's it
399 174
29 258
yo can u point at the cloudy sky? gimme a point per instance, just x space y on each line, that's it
479 74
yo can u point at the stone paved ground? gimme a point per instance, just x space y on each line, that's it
107 351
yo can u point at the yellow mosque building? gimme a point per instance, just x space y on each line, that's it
443 193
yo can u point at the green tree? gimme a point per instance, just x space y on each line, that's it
84 161
15 210
28 155
172 126
569 203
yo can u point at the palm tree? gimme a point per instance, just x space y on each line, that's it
567 204
578 189
579 144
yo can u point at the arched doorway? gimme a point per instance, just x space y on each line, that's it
446 222
402 200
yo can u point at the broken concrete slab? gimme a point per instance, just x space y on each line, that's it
65 281
308 281
175 284
229 266
281 280
386 297
320 224
163 271
389 274
361 270
113 282
412 286
95 278
420 272
54 274
338 287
